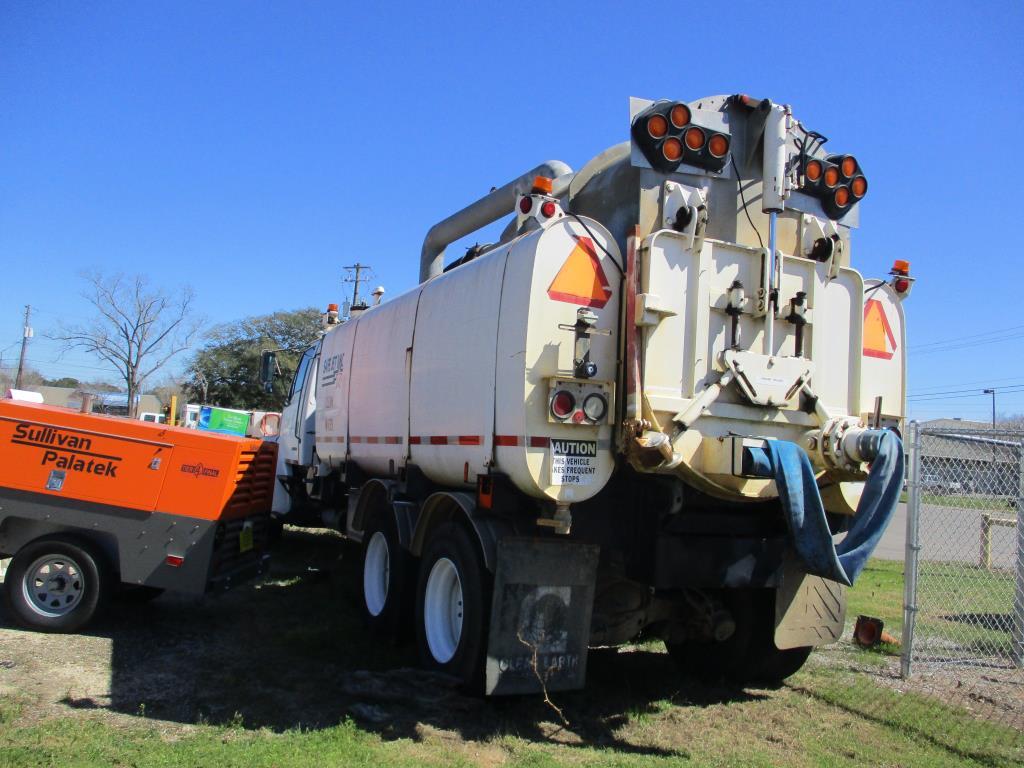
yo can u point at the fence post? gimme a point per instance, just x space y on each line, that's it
913 546
1018 593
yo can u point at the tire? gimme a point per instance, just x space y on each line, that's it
749 655
727 660
56 584
451 633
385 578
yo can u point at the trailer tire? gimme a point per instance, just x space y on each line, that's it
56 584
385 578
453 599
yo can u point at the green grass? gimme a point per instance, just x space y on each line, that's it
635 712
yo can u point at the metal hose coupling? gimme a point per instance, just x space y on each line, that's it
845 443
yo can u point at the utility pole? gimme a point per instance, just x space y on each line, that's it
26 335
356 280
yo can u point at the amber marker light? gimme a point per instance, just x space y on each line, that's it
718 145
694 138
859 186
657 126
842 197
680 115
831 176
848 166
672 149
813 170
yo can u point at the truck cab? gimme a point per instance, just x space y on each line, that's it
297 440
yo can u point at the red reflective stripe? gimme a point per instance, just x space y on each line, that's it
393 440
415 440
506 440
539 442
373 440
438 440
469 440
355 439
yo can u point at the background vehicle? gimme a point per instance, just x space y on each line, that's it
579 434
89 502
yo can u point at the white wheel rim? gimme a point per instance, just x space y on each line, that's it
442 610
376 574
53 586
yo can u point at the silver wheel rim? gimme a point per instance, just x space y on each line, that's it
376 574
53 586
442 610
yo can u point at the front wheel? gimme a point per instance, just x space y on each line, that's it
56 585
453 606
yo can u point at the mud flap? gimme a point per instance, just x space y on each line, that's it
809 610
540 616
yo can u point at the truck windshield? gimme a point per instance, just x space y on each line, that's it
300 373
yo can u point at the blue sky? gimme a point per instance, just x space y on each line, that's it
253 149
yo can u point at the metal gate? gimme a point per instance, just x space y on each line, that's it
964 590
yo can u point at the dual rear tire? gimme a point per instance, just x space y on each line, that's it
448 596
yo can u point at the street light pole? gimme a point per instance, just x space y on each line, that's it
993 393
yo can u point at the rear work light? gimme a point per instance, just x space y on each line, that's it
666 136
837 181
595 407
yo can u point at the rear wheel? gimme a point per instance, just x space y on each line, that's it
385 577
453 606
56 585
749 655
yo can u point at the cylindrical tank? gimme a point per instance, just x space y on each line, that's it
458 375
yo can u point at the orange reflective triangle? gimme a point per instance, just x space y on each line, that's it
879 340
581 280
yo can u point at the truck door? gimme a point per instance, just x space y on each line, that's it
296 416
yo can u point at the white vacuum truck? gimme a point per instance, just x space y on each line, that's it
646 411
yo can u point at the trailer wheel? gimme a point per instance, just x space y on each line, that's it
56 585
385 577
453 606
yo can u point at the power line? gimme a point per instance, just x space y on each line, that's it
971 390
963 345
988 382
964 338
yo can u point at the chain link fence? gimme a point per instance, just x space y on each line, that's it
963 635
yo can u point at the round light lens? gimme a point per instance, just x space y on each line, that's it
848 166
525 204
718 145
813 170
831 176
563 404
680 115
595 407
694 138
657 126
547 209
859 186
842 197
672 149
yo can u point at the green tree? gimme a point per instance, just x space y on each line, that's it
64 381
226 370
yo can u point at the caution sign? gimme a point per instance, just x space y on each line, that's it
879 340
581 280
573 462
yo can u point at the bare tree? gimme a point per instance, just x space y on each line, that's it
137 329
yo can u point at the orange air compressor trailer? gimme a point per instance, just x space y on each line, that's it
91 503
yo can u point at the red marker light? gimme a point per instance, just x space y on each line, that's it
547 209
525 204
175 561
563 404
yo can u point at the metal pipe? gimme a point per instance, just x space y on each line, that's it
773 288
484 211
913 548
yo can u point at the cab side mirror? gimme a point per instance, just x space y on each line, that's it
268 369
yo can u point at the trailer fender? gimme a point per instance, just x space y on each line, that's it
17 532
444 506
